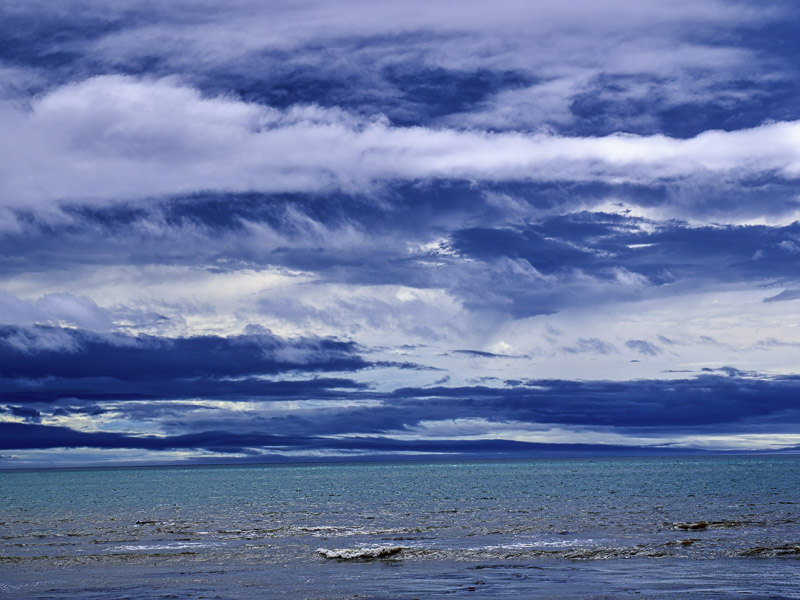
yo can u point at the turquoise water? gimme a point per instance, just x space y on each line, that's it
718 527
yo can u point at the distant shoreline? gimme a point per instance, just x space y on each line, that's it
688 454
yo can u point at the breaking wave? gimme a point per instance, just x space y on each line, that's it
365 553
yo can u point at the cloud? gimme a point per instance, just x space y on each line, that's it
42 436
53 309
122 33
591 346
369 55
31 353
117 137
590 257
72 393
483 354
394 195
693 413
643 347
21 436
703 402
33 340
28 414
784 296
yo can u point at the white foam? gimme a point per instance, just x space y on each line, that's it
360 553
155 547
325 531
540 544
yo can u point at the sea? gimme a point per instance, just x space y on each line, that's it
688 527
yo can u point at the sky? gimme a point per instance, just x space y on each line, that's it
251 231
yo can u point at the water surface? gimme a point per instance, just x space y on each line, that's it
716 527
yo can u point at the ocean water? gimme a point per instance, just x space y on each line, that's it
711 527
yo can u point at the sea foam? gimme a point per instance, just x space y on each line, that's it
365 553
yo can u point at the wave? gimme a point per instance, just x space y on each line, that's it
365 553
699 525
325 531
158 547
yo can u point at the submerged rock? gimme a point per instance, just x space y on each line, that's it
683 542
691 526
762 551
698 525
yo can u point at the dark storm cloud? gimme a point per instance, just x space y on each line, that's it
547 255
661 251
63 372
536 267
14 436
219 231
102 388
92 410
41 436
312 230
42 352
326 233
703 401
30 415
664 257
706 404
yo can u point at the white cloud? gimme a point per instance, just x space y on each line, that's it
456 34
473 428
189 301
33 341
483 429
546 102
660 75
713 328
561 43
111 138
54 309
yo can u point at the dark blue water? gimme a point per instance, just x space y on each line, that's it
718 527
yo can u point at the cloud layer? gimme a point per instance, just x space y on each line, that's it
116 138
273 231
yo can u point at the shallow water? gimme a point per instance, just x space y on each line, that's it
717 527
